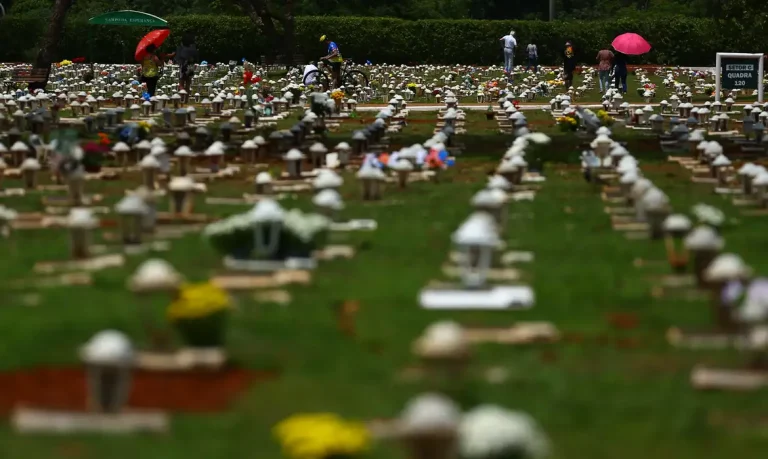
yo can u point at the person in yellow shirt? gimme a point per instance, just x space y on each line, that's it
150 69
334 57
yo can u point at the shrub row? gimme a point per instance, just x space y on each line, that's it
676 40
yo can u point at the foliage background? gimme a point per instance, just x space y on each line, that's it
404 9
408 31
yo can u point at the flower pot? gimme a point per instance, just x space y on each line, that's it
179 203
439 444
30 179
75 188
402 178
701 260
109 387
79 240
655 218
203 332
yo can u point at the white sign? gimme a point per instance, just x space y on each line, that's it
740 72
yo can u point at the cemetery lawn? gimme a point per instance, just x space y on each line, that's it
600 393
592 95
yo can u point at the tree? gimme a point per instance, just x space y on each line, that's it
268 15
50 46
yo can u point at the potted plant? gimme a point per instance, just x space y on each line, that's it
93 157
322 436
200 314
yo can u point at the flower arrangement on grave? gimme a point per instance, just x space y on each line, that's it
64 63
200 313
291 234
104 139
337 95
146 127
338 98
93 156
568 123
492 432
411 86
708 215
322 436
605 119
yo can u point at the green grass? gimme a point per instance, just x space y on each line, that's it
595 398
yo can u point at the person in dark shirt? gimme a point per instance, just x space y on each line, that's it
185 57
620 71
569 64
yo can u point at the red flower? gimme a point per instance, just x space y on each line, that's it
256 79
247 76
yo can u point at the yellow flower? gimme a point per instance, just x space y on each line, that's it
337 95
317 436
197 301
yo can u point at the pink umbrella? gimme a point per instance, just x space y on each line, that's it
631 44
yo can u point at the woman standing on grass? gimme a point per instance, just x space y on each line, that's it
620 71
185 57
150 69
604 63
569 65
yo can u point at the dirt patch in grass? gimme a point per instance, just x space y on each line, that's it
623 320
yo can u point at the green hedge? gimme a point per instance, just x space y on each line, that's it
676 40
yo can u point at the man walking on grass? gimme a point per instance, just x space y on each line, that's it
509 51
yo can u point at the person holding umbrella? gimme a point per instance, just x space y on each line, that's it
628 44
151 64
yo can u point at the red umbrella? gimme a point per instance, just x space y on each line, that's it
156 37
631 44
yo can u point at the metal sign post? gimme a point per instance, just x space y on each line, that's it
737 71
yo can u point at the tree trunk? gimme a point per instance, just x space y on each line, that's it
52 38
259 14
289 42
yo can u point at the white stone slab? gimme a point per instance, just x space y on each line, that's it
269 265
494 298
182 360
726 379
355 225
31 421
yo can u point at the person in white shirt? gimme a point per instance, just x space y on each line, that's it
309 68
509 50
